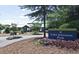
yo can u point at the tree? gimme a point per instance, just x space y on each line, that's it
1 27
61 13
55 24
36 27
64 14
14 27
58 17
73 13
39 12
7 30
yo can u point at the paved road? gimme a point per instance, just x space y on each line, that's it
4 42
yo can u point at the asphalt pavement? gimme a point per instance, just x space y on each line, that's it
4 42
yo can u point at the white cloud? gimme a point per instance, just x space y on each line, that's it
23 9
20 21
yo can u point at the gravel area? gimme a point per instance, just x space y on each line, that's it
27 47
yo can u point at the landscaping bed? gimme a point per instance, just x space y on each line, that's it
32 46
58 43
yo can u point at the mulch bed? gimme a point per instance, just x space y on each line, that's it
50 47
60 43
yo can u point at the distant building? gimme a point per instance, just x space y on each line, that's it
26 28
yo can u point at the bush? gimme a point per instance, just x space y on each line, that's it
35 33
58 43
55 24
72 24
64 26
41 41
38 42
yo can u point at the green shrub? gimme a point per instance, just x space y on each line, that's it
72 24
64 26
55 24
38 42
41 42
35 33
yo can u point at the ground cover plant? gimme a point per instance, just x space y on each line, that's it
58 43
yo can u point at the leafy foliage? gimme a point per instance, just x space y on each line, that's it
61 12
67 14
35 33
36 27
7 30
72 24
64 26
1 27
62 16
73 13
55 24
39 12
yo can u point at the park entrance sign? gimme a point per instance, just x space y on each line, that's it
65 34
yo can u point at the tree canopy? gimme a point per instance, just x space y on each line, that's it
57 15
40 12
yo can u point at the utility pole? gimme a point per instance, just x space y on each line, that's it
44 15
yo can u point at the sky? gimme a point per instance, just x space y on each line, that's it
13 14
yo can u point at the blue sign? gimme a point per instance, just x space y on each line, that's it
65 35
